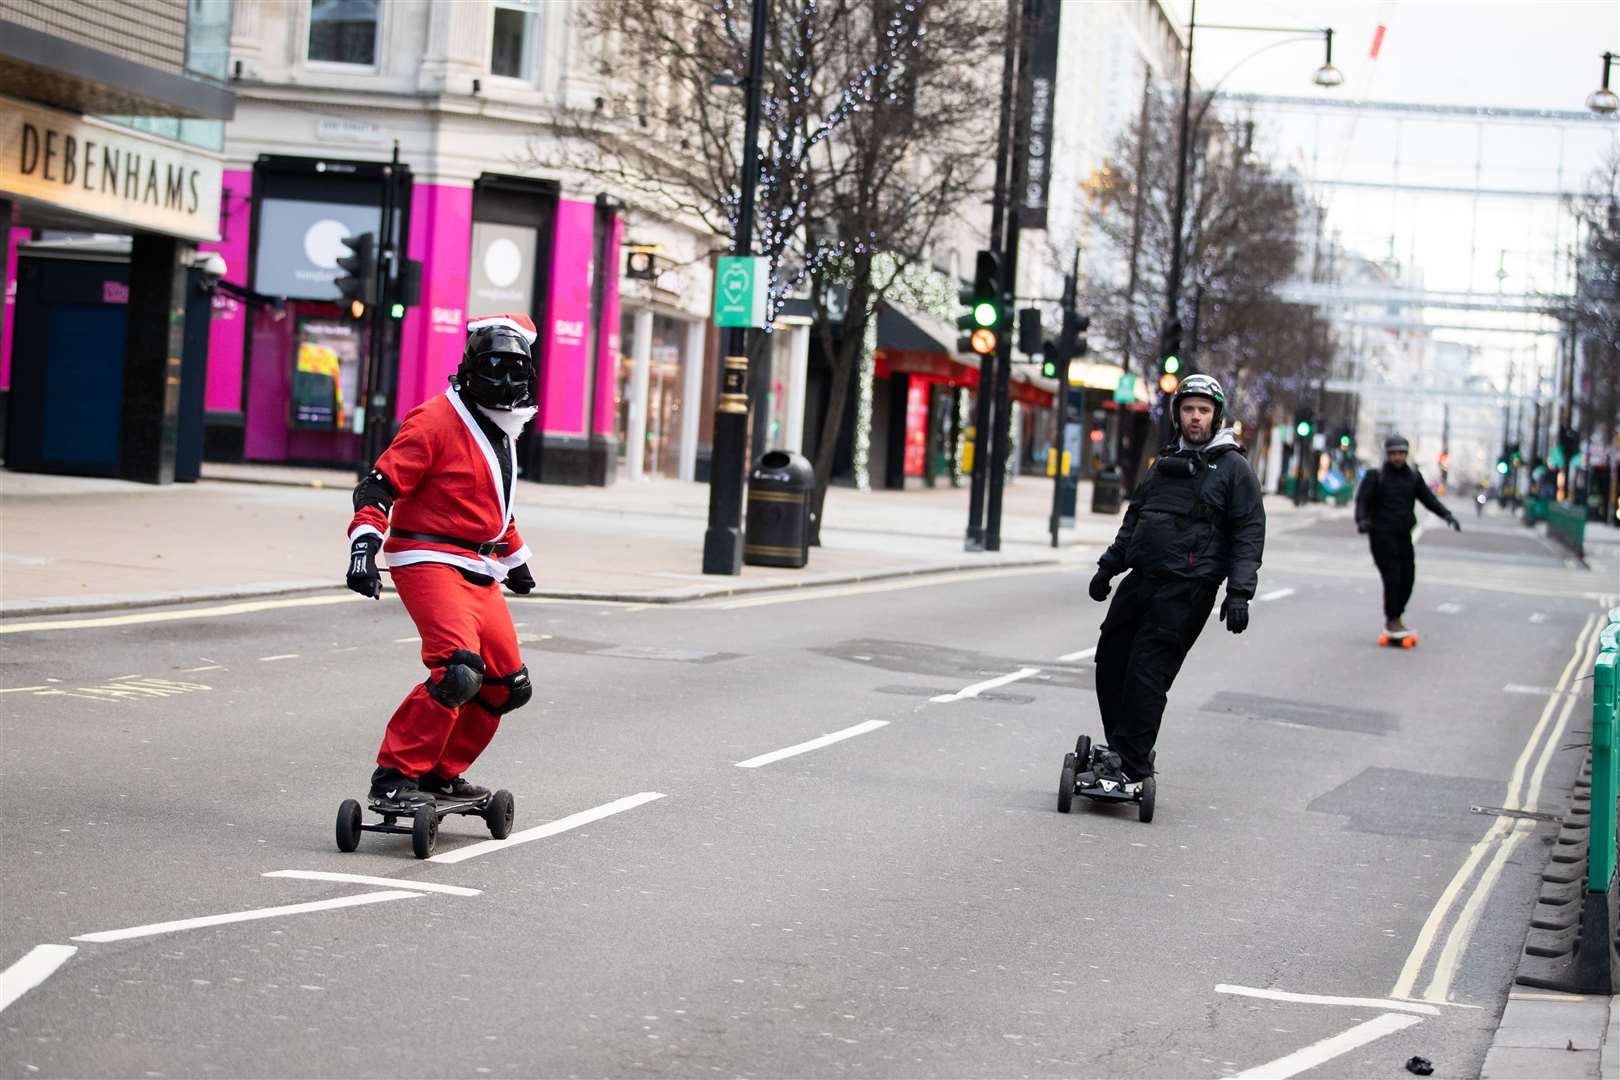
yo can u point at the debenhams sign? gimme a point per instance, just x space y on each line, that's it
107 172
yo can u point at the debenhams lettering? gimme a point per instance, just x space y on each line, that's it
60 157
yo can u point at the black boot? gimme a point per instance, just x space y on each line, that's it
458 787
390 787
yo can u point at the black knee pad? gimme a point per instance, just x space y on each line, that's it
463 675
521 690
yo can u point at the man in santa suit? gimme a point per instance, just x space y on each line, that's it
442 494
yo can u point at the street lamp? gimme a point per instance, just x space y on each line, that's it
1327 76
1603 100
723 540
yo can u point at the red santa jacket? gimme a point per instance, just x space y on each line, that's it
447 482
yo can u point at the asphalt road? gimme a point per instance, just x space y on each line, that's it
901 901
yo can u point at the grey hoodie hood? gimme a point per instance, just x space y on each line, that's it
1223 437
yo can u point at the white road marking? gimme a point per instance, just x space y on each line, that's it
412 640
540 832
1321 999
37 965
1275 594
245 608
813 744
1081 655
1502 826
918 581
1538 616
245 916
1449 609
1533 691
362 879
21 689
1319 1052
278 656
989 684
205 667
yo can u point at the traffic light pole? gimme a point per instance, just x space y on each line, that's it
378 397
1068 343
723 540
982 413
1009 286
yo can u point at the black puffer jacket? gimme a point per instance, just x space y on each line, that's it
1385 499
1197 515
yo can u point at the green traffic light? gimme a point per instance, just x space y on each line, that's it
1502 467
1344 442
398 311
1172 364
985 314
1049 368
1303 428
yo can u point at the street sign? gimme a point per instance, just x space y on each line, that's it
740 283
1125 392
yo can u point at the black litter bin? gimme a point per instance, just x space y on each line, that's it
1105 491
776 531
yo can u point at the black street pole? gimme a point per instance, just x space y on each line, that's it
723 540
998 206
1002 423
1068 339
378 403
1172 289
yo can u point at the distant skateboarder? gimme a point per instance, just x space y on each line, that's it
442 492
1384 512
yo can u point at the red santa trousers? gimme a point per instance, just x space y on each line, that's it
450 613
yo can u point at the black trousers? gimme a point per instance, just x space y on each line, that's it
1392 551
1151 624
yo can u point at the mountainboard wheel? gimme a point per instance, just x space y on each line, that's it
1409 642
1082 752
348 825
1383 639
499 813
424 831
1066 784
1144 808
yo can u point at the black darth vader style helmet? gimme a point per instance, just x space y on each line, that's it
498 369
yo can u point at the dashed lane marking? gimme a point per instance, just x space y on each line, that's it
1449 609
37 965
152 929
1275 594
919 581
540 832
1320 1052
989 684
362 879
278 656
1321 999
22 689
245 608
1081 655
813 744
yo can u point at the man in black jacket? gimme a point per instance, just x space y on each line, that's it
1384 512
1197 520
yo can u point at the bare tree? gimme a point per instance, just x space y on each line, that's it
871 115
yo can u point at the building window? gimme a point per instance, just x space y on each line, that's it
512 43
343 31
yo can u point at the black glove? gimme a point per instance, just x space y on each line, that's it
1235 613
1456 526
1363 526
520 580
1099 587
363 577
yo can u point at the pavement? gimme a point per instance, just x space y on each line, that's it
77 544
796 832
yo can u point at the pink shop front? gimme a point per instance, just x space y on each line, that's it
284 369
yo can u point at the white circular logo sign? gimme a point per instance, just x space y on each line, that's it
323 243
503 262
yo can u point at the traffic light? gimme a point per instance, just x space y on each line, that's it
1029 331
358 286
1049 360
1170 357
1304 424
1345 441
986 309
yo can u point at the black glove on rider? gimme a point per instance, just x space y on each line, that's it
1235 613
1363 526
1456 526
1099 587
363 577
520 580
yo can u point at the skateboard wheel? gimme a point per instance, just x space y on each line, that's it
499 813
348 825
1383 639
1409 643
1066 784
1144 806
424 832
1082 751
